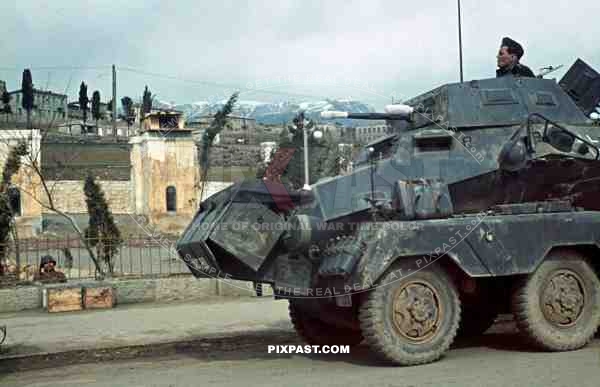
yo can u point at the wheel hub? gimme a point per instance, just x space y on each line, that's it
563 298
417 311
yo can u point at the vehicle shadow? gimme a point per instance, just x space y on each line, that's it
361 355
503 336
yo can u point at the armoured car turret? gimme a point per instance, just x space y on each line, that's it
483 200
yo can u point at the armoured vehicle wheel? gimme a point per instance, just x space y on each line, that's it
412 320
558 306
475 321
316 332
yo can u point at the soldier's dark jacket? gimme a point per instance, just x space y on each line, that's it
518 70
50 277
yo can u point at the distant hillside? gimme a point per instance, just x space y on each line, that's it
274 113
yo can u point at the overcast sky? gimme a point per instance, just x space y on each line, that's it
380 47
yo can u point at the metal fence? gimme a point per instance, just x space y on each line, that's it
136 257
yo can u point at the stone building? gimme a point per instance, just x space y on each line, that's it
366 134
165 178
153 175
150 181
339 132
49 108
75 112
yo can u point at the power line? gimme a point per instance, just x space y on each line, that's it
55 68
169 77
213 84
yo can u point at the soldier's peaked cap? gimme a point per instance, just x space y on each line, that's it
513 47
46 259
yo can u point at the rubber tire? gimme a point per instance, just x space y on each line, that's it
377 325
476 321
530 318
316 332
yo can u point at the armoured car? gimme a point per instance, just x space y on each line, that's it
482 200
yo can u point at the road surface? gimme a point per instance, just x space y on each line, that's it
497 359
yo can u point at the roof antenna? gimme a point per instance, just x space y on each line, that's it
460 55
548 70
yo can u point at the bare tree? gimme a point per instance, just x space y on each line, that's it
7 212
218 123
40 190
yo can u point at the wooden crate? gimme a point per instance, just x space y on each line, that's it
101 297
63 299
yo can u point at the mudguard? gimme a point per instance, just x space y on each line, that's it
481 245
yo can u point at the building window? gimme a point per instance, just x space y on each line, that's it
171 199
14 200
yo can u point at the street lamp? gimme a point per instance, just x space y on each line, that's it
302 124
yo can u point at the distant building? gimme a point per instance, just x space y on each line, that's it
238 130
2 87
336 131
153 176
366 134
48 107
76 113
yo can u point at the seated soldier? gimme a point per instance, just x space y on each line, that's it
47 272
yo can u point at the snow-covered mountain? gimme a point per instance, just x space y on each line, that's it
271 112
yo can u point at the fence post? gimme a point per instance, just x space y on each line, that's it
130 254
217 286
141 259
17 250
78 258
121 257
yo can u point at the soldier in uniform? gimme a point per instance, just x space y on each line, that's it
48 273
508 60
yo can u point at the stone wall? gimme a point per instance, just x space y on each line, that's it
238 155
20 298
74 158
69 197
131 291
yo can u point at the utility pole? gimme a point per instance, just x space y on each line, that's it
114 100
460 43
